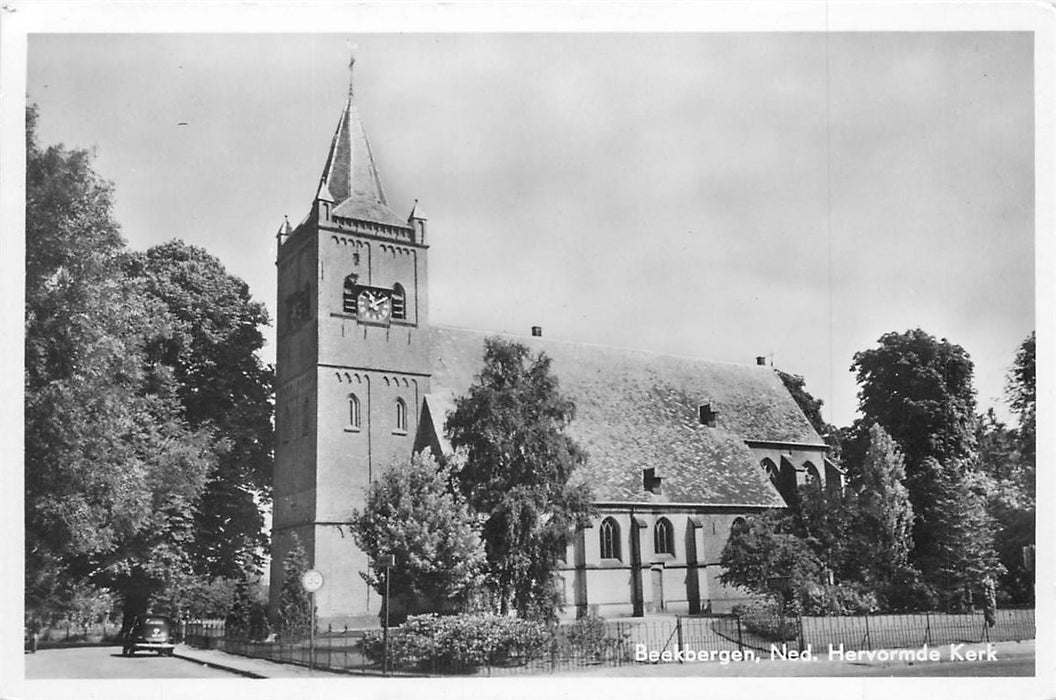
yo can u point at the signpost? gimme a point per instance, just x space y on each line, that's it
387 561
312 581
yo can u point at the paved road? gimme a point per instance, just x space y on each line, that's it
107 662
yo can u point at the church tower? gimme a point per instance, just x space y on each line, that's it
352 365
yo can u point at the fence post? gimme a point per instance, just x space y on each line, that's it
799 615
927 629
740 641
868 638
678 637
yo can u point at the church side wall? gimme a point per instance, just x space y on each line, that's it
684 582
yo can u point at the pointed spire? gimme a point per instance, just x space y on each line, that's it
350 177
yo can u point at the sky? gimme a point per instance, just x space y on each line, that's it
720 195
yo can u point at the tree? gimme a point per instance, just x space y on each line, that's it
519 473
919 390
414 513
883 514
963 557
811 407
762 555
111 466
1022 395
210 348
295 614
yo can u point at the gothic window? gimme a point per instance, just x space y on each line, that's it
399 302
401 416
353 412
609 532
771 470
813 476
348 300
664 537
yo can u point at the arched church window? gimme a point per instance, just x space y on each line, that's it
771 470
813 477
401 416
353 411
348 298
664 537
399 302
609 532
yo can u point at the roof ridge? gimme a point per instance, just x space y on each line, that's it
603 346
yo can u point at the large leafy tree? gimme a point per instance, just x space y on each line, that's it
919 390
210 348
519 473
112 468
414 513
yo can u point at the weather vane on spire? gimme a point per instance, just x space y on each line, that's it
351 64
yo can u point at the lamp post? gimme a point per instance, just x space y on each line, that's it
387 561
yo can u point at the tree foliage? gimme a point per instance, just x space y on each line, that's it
111 466
147 413
414 513
210 347
920 391
811 407
764 555
1022 394
295 615
519 473
883 515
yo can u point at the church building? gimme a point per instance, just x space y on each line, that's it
678 448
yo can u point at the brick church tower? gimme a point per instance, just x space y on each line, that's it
352 366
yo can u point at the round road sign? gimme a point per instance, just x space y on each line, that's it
312 580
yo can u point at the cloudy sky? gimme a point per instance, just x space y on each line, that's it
793 195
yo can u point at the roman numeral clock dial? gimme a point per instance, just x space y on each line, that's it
374 306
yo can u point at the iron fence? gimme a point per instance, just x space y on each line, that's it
624 641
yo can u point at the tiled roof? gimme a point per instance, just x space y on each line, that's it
636 410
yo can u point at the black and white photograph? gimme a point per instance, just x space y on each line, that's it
386 350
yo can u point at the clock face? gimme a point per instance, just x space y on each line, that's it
374 306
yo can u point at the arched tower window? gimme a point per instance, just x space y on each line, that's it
664 537
353 411
609 534
401 416
399 302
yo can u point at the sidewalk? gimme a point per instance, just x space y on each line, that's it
249 667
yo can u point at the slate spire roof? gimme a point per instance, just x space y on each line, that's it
350 177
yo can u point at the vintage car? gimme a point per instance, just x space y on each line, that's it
150 633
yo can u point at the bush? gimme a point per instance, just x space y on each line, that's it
458 642
766 618
839 599
587 638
